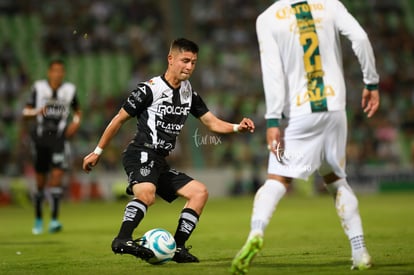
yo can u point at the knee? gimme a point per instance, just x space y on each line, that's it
145 192
202 193
199 194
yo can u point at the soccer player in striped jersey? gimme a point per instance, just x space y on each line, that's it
304 84
51 103
161 106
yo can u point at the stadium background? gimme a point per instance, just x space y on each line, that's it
109 46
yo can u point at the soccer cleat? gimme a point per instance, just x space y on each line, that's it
182 255
55 226
362 264
244 257
38 227
131 247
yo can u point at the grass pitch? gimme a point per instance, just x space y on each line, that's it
304 237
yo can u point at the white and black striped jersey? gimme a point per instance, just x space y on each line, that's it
161 112
301 56
56 103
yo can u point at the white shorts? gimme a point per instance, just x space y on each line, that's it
312 142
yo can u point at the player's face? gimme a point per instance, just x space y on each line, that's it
56 73
182 64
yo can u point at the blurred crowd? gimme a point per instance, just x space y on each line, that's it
228 76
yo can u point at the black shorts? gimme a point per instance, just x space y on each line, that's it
145 165
51 154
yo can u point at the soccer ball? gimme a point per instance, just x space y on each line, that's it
162 243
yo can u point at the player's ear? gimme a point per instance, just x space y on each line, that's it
170 58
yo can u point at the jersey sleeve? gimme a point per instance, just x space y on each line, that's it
75 103
198 107
138 100
350 28
272 70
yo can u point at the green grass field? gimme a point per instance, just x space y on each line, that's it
304 237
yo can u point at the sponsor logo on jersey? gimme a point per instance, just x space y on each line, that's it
136 94
286 12
164 145
173 110
314 95
132 104
169 126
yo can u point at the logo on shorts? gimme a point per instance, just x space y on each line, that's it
284 156
146 170
279 151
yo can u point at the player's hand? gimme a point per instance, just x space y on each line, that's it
370 101
273 140
89 162
246 125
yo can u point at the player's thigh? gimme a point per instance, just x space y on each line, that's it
193 189
170 184
60 154
334 150
42 157
141 167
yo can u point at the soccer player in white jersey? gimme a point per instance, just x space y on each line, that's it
50 104
303 80
161 106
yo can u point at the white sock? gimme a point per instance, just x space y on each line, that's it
346 204
265 201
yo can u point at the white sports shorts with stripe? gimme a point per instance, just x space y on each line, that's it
312 142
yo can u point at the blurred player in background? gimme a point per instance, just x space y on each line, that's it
51 103
161 106
303 80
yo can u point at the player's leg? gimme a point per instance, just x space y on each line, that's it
135 210
196 195
265 202
59 163
142 168
56 193
297 158
38 202
346 204
42 158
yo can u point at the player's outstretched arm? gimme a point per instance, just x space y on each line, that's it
370 101
92 159
217 125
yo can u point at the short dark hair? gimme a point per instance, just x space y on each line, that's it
183 44
56 61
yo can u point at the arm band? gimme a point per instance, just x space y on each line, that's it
236 127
